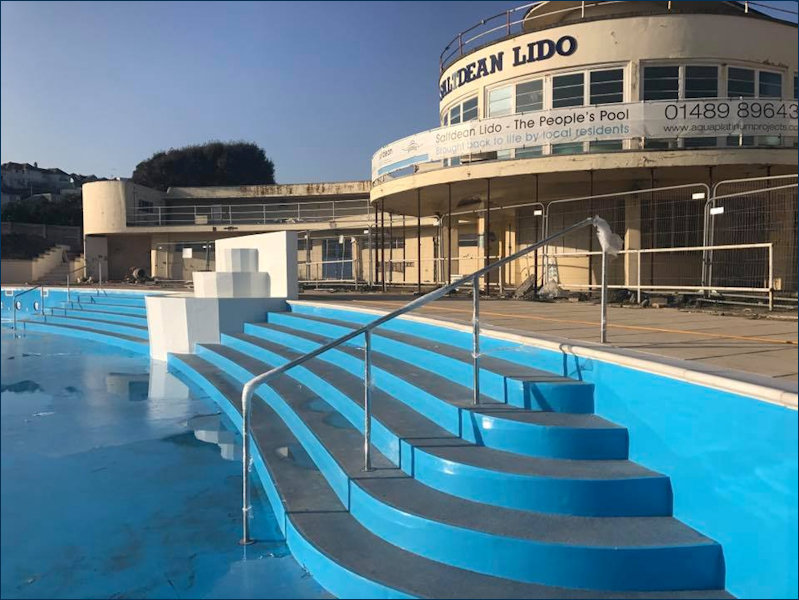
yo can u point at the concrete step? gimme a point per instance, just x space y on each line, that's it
131 343
109 326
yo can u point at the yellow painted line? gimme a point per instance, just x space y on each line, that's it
596 323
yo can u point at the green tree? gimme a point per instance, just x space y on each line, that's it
37 210
214 163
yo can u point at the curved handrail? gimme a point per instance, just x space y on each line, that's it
366 330
22 293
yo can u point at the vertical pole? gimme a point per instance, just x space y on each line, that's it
419 240
376 237
100 271
603 330
367 400
638 279
69 298
449 233
771 277
308 243
487 237
535 273
383 244
476 341
391 247
369 252
245 464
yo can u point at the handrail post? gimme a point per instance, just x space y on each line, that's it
603 328
638 280
771 276
476 340
246 397
69 298
367 400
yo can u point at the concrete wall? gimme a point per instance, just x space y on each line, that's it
277 255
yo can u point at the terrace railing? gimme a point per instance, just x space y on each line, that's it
249 214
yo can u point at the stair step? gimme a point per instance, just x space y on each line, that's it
134 344
505 381
99 315
107 326
450 405
515 542
591 488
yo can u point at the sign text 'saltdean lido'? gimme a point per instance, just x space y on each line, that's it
660 119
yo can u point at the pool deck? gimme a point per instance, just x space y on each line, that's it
764 346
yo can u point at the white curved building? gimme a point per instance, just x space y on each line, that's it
562 101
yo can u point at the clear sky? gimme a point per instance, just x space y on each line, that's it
96 87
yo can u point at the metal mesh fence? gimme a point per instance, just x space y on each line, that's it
753 211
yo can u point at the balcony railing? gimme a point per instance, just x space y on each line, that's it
517 21
249 214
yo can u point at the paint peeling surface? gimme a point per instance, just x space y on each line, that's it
118 482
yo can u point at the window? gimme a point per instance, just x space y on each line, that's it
455 115
740 83
701 82
770 85
469 110
468 240
530 96
499 102
567 90
607 86
661 83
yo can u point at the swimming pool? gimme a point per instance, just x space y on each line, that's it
118 481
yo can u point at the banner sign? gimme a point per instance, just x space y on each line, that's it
661 119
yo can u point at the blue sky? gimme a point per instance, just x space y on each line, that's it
97 87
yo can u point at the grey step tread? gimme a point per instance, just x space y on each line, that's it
85 315
454 393
398 489
496 365
122 336
411 426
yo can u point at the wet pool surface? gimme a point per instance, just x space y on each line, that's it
118 482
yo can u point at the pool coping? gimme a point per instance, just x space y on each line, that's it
751 385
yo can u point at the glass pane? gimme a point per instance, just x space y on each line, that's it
770 85
607 86
470 109
701 82
573 148
530 96
529 152
661 83
740 83
567 90
455 115
604 146
499 102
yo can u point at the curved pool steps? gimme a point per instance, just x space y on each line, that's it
134 344
422 528
89 311
108 324
444 461
450 405
502 380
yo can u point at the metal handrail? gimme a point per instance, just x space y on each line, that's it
81 268
22 293
366 330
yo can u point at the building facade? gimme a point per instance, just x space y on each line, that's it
171 234
640 112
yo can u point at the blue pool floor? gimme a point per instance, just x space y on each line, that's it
109 492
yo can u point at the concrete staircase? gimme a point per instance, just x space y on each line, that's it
58 274
528 495
118 319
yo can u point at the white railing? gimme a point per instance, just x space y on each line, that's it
250 214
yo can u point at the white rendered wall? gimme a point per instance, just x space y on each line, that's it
277 256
